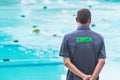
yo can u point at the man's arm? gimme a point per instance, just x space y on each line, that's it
75 70
98 69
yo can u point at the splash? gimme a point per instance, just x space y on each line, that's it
28 1
46 1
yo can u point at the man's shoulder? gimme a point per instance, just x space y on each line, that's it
96 33
71 34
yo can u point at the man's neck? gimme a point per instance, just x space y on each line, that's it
87 25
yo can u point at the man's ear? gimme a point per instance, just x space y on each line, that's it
89 20
76 19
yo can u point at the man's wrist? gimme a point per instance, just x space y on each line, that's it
91 78
83 76
86 77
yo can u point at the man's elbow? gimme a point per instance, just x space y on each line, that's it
67 62
102 61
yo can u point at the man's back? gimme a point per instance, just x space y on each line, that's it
83 51
84 46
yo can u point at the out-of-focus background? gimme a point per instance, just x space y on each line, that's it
31 32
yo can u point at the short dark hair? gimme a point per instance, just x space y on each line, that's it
83 15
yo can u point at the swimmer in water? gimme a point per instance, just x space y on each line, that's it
37 30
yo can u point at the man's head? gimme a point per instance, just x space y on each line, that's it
83 16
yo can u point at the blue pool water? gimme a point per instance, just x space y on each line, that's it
34 56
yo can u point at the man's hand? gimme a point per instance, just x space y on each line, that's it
87 77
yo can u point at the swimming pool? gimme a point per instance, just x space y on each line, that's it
26 55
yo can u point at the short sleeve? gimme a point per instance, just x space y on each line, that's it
102 52
64 50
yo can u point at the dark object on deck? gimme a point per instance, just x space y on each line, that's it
6 60
90 6
54 35
16 41
44 7
34 26
93 25
23 16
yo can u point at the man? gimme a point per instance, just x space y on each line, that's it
83 50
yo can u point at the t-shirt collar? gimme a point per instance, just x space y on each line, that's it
83 28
